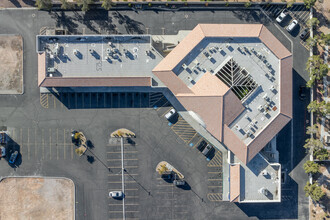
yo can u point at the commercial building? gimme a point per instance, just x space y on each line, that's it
230 82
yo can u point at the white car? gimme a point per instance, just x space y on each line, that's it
170 113
281 17
292 25
116 194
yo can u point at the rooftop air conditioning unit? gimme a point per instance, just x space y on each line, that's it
264 172
51 70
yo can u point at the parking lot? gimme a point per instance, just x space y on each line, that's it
95 100
296 12
42 143
157 140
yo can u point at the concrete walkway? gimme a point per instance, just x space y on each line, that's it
326 98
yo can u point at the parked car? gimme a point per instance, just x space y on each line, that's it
73 137
3 138
179 182
201 145
207 150
2 151
116 194
302 92
304 33
282 16
170 114
292 25
13 157
167 176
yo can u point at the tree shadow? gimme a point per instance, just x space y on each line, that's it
131 26
62 20
90 159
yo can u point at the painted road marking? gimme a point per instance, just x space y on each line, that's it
50 143
44 100
43 143
216 160
183 130
214 197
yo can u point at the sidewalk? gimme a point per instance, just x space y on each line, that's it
30 3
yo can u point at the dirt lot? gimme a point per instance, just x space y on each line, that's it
36 198
11 64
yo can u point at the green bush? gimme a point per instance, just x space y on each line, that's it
247 4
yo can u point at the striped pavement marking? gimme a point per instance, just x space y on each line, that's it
183 130
214 197
44 100
216 160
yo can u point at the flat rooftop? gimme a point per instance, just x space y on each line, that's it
249 68
258 174
99 56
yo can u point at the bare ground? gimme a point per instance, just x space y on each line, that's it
11 64
36 198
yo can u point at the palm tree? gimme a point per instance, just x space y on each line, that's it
44 4
107 4
66 5
312 129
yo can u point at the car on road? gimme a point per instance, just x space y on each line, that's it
292 25
304 33
116 194
207 150
170 114
282 16
13 157
2 151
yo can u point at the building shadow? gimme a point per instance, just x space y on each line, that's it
99 97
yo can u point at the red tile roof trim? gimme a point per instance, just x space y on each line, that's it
235 177
96 81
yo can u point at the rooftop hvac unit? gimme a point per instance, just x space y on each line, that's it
264 172
108 50
263 190
75 51
51 70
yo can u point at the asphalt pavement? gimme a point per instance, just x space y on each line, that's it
42 134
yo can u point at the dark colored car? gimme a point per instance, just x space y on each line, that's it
73 137
13 157
201 145
302 92
304 33
167 176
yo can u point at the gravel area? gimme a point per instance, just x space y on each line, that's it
36 198
11 64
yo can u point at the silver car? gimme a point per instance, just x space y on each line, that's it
207 150
292 25
170 114
282 16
